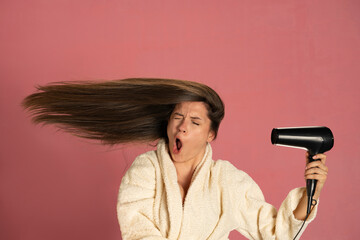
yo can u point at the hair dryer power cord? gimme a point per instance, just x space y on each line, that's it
313 204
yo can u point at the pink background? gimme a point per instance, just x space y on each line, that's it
275 63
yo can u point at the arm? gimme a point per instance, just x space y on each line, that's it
314 170
258 219
136 201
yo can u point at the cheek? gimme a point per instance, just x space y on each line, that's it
202 134
170 128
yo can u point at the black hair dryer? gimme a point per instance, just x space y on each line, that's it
313 139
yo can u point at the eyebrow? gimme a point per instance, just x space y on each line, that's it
179 114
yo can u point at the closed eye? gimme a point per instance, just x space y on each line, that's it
196 123
178 116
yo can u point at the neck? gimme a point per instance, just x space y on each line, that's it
189 166
185 171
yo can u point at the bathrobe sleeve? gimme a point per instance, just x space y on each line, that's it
260 220
136 201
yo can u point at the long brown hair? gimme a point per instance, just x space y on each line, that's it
119 111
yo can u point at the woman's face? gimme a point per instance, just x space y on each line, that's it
189 131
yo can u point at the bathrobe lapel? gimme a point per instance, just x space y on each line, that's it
192 226
180 216
172 191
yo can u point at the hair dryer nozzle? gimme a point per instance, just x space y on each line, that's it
313 139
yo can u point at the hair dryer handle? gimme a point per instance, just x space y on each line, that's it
310 186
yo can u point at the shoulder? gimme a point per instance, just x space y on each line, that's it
142 169
139 181
225 168
146 159
236 181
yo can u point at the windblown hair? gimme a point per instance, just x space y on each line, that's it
119 111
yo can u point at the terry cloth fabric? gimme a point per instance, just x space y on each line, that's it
220 199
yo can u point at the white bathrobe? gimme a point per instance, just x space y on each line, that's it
220 198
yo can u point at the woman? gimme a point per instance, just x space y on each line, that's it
176 191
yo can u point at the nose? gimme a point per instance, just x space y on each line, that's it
183 127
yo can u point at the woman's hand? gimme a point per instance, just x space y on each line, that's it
317 170
314 170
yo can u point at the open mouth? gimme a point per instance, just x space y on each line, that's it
177 145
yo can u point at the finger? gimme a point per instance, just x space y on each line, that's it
317 164
320 177
317 171
320 156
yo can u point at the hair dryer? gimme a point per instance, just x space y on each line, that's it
313 139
